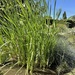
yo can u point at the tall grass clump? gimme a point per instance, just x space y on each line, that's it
25 37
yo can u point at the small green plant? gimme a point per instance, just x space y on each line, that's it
25 36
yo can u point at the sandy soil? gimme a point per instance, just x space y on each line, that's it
15 71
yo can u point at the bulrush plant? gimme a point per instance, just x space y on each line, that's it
25 37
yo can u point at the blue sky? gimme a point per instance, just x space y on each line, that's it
65 5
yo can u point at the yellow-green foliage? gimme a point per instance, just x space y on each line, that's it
25 35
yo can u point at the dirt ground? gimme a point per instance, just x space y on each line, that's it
21 71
